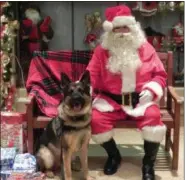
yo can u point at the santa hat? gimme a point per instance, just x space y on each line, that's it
118 16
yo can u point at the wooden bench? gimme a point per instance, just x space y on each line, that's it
170 117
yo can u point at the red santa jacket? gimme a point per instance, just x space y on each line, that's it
151 75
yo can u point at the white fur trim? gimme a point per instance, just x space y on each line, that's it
103 137
153 133
123 21
45 39
102 105
155 87
91 90
138 111
46 155
107 26
128 81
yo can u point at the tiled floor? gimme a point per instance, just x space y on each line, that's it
130 145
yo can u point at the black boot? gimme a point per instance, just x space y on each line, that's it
151 150
114 157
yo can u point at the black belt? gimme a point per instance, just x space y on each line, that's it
125 99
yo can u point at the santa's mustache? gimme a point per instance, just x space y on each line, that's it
120 35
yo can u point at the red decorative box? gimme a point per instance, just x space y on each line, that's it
14 131
27 176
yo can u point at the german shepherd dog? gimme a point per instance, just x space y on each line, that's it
70 131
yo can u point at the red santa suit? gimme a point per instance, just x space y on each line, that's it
116 79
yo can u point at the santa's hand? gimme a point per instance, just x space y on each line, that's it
44 27
146 96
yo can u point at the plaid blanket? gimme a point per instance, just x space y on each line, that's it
44 76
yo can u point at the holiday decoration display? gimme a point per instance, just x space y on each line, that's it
8 33
93 24
151 8
146 8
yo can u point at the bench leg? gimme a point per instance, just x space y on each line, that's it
175 159
176 135
167 140
30 140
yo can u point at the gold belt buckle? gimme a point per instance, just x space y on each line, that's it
127 99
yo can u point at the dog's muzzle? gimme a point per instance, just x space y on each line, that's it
77 102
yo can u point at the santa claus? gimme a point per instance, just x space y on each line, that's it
125 68
36 32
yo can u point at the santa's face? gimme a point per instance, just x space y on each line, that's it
33 15
123 29
123 43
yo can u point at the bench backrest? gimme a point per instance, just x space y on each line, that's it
167 60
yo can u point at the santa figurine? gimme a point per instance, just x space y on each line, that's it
127 79
36 32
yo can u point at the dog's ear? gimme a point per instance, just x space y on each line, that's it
64 80
85 79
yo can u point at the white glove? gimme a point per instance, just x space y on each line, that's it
146 96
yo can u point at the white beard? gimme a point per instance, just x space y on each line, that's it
33 15
123 49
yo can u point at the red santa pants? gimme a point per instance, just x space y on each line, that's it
151 126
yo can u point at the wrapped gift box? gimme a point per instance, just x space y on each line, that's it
7 158
13 131
24 163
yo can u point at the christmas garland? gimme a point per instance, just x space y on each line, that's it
9 28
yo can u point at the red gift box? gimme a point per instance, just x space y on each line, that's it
14 131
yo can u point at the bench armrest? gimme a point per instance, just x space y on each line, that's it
29 105
177 102
174 95
29 100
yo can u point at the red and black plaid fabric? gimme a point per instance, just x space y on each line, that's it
44 76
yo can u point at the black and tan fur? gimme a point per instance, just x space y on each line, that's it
70 131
